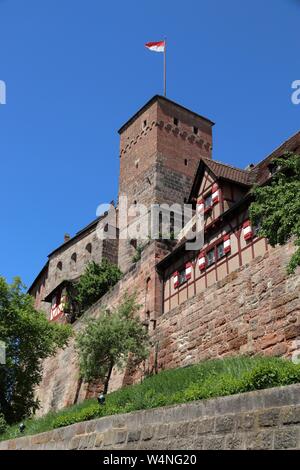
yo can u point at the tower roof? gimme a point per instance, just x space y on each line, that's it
162 99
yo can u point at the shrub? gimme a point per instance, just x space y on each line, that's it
95 282
91 412
263 376
272 375
138 253
3 425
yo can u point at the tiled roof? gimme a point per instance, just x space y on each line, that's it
228 172
261 170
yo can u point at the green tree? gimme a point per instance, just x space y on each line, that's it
29 338
95 282
108 341
276 206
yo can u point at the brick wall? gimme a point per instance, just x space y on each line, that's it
266 419
159 159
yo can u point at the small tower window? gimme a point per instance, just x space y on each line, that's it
89 248
195 129
185 162
175 121
145 123
59 266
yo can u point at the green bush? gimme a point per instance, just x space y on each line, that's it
92 412
272 375
3 425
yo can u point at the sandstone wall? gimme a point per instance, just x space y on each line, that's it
267 419
254 310
61 385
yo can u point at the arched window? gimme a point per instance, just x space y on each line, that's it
74 258
59 266
89 248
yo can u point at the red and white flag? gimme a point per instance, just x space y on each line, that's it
156 46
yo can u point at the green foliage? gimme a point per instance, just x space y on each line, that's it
107 341
276 207
91 412
3 424
205 380
95 282
29 338
138 253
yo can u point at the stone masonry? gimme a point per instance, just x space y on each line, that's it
255 310
267 419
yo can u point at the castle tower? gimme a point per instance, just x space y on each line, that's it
160 148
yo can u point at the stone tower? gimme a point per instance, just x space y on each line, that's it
160 148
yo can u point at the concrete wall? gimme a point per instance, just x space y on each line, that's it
267 419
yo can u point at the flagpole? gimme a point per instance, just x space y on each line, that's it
165 68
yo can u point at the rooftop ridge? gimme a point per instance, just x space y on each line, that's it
225 164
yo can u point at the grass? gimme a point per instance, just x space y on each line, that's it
204 380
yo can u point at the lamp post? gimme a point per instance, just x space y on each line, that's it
101 398
22 427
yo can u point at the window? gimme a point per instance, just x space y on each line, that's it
133 242
145 123
185 162
182 277
210 256
208 201
195 129
59 266
74 257
89 248
175 121
220 251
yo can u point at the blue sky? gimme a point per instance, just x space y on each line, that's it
75 70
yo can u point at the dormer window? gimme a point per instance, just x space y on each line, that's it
208 201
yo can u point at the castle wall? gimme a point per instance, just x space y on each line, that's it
60 385
254 310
